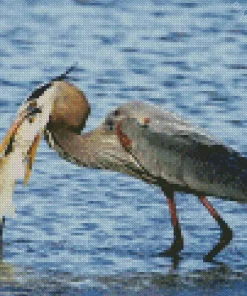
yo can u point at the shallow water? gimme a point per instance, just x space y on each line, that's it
94 232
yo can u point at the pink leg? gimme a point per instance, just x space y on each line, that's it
226 232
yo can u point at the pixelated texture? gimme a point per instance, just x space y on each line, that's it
82 231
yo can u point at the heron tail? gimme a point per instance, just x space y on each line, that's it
217 171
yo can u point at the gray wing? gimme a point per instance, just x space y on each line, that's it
171 149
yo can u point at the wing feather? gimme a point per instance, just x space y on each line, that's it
172 149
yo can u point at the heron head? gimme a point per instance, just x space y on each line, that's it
58 103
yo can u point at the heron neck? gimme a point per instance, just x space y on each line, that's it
95 149
73 147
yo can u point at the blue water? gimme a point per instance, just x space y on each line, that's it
88 232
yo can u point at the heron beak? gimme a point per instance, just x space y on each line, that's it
31 157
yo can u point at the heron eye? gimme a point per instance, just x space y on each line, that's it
116 112
33 103
31 119
32 110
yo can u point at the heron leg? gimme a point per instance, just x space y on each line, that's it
2 225
226 232
178 243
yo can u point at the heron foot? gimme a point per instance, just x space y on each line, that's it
2 225
225 238
226 231
175 248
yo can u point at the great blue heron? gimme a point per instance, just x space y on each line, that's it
153 145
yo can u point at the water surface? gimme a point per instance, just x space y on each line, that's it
87 231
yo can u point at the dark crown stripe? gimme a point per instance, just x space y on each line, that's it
40 90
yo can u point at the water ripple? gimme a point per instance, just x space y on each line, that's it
79 228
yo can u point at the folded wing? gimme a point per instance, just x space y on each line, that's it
185 156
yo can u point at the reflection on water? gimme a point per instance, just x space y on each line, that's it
219 279
7 273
